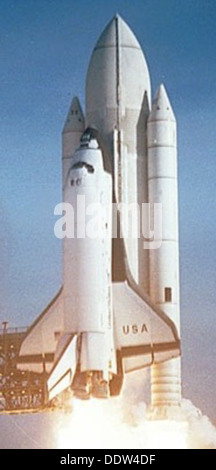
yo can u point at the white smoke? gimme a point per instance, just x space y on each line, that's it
201 432
122 422
108 424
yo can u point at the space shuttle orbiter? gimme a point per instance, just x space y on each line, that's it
106 320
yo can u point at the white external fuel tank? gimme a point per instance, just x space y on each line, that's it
164 261
117 104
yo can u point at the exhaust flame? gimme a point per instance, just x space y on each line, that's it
98 425
121 423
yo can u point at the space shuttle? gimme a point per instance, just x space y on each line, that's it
118 308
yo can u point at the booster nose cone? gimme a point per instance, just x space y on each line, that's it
75 120
72 131
161 107
117 77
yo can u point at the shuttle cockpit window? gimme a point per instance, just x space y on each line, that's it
89 167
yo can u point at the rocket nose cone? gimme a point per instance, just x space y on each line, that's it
117 27
75 119
161 107
117 78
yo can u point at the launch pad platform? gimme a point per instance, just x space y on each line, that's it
20 391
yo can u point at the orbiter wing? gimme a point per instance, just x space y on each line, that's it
143 333
38 349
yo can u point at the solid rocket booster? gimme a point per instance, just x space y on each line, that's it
164 261
73 129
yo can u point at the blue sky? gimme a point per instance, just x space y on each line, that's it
45 47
